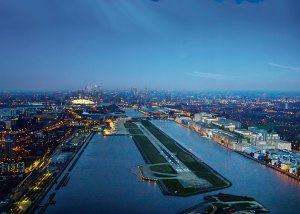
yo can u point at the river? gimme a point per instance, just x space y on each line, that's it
102 181
278 192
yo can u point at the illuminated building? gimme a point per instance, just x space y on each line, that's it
14 168
231 125
1 153
82 102
200 116
286 106
281 144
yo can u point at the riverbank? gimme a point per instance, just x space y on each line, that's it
252 158
269 165
71 162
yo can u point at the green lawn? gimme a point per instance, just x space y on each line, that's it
149 151
163 169
132 128
130 125
233 198
175 187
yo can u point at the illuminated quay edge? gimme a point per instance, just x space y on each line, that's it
82 102
145 178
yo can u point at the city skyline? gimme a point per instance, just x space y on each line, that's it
199 45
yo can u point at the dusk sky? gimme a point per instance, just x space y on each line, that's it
166 44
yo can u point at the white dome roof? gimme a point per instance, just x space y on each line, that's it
82 102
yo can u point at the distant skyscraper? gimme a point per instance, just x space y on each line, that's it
93 90
97 89
134 91
88 88
286 106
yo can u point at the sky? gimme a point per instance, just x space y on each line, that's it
154 44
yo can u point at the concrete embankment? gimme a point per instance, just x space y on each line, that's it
252 158
269 165
54 181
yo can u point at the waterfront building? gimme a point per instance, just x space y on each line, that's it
201 116
181 119
274 161
273 136
225 138
281 144
202 128
264 145
294 169
209 120
259 155
252 150
251 136
224 123
61 158
1 153
261 133
240 147
285 165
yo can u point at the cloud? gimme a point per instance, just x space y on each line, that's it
284 66
210 75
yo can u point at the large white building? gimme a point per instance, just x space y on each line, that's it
201 116
281 144
230 125
82 102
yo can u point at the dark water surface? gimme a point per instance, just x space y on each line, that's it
102 181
